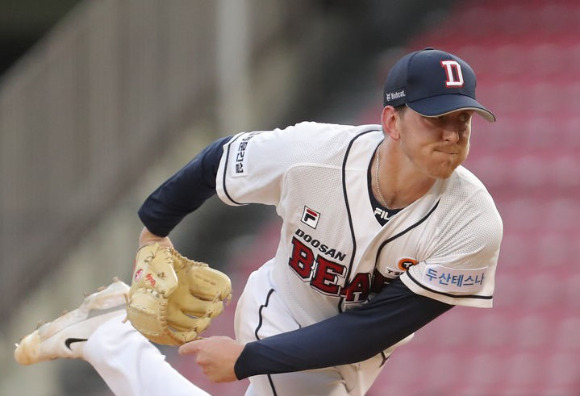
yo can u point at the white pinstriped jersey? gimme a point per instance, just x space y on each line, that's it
333 253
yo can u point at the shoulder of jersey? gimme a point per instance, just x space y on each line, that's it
473 190
333 129
466 176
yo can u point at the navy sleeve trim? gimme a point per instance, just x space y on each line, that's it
184 192
352 336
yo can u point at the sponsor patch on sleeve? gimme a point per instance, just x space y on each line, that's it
241 156
453 279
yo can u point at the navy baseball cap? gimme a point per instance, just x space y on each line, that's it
433 83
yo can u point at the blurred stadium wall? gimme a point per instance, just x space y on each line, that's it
121 94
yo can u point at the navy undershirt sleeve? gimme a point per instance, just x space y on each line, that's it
352 336
184 192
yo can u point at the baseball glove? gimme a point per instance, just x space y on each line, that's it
173 299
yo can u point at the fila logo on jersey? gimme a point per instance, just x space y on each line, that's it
310 217
453 72
383 214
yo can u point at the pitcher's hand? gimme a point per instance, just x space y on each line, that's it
215 355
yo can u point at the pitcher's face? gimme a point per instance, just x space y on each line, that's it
435 145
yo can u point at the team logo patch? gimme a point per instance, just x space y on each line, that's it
454 74
310 217
406 263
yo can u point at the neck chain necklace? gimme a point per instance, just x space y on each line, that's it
378 184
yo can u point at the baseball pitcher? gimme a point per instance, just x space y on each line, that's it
383 230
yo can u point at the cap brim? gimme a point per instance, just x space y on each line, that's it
444 104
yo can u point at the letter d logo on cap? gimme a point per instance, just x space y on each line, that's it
454 74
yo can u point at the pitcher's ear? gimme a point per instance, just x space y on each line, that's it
390 121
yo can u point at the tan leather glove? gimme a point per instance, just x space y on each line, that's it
172 298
